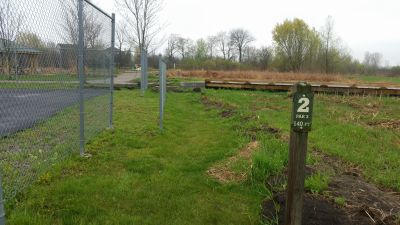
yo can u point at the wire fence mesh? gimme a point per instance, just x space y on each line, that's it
40 86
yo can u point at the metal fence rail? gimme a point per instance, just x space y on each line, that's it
162 89
56 84
143 71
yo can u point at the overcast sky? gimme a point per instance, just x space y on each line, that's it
363 25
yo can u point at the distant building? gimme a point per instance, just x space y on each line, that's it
18 58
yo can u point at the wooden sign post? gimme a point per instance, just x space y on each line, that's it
300 126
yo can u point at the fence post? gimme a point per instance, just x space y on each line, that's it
112 64
2 212
301 125
165 82
161 87
81 78
142 72
146 75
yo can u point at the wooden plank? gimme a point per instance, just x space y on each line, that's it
317 88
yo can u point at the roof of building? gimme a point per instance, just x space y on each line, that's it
16 47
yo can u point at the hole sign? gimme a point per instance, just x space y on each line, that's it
304 107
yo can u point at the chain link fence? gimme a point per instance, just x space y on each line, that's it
56 83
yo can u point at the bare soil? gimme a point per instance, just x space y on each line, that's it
389 124
316 211
227 110
364 203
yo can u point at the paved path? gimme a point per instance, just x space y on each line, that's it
23 108
126 77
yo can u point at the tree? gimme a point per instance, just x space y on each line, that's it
123 58
329 44
265 57
201 49
293 41
250 55
312 58
91 26
211 44
10 27
395 70
183 46
172 45
142 16
30 39
121 36
172 48
222 40
240 38
372 62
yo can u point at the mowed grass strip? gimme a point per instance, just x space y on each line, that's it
139 175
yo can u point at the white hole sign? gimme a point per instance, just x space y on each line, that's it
302 110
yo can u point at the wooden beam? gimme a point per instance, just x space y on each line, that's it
316 88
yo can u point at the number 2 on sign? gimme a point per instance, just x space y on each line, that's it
304 107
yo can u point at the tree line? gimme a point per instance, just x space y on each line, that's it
296 47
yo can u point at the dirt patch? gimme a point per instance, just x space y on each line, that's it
224 173
252 132
227 110
333 165
389 124
364 203
316 211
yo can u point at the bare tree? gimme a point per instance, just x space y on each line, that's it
10 27
222 42
328 37
92 27
211 44
172 49
121 41
240 38
372 62
183 45
265 57
121 35
142 16
224 45
172 46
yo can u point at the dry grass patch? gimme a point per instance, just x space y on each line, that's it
225 171
261 76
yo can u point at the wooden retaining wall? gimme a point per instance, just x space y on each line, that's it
317 88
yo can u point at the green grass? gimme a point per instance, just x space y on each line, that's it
341 201
316 183
373 79
138 175
26 155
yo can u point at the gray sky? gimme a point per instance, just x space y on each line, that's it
363 25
